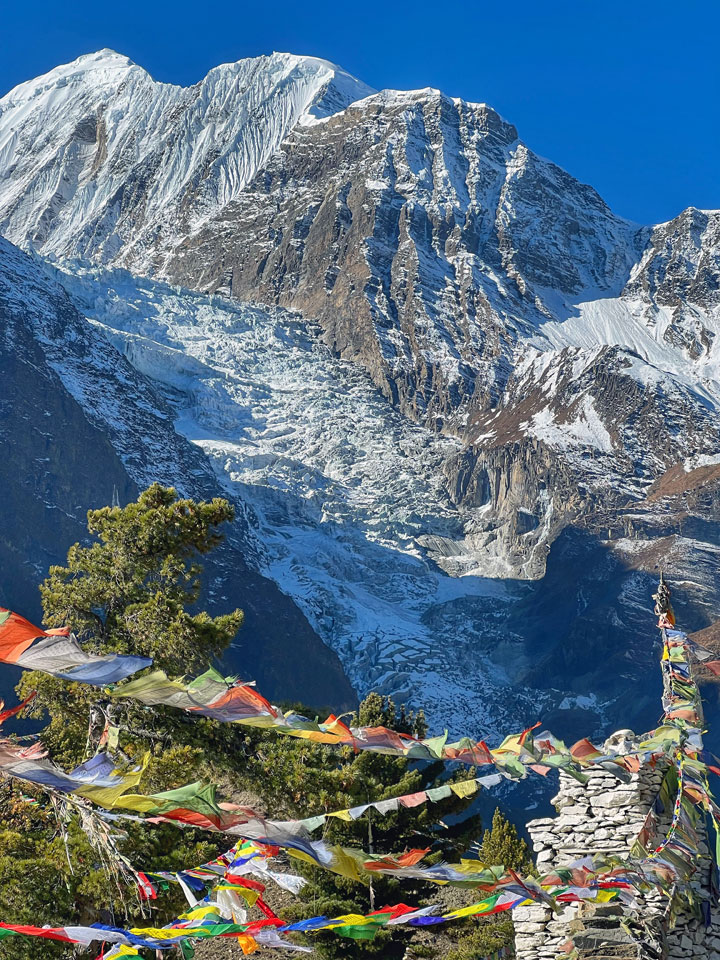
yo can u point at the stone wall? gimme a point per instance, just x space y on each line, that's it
605 816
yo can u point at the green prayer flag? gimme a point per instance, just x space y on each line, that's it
365 931
439 793
312 823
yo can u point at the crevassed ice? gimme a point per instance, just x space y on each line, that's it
346 492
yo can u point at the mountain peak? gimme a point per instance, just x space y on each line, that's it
73 135
105 55
105 65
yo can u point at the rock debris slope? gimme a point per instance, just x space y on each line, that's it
468 408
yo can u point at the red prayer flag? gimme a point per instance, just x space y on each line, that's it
5 714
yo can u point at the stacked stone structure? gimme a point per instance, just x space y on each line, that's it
605 816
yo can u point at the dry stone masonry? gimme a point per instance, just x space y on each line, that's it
605 816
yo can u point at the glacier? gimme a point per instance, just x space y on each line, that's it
343 494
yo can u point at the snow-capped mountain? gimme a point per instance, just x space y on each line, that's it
465 409
100 160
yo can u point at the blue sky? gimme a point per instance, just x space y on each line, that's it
626 96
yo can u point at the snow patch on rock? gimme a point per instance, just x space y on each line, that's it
586 430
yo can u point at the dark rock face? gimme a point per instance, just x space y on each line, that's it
79 424
527 469
681 264
411 226
680 271
56 465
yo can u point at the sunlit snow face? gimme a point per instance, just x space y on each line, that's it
77 136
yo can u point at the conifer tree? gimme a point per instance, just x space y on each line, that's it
501 845
130 591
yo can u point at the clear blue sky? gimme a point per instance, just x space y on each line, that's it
624 95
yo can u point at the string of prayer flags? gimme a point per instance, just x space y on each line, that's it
208 919
228 700
665 863
196 804
231 701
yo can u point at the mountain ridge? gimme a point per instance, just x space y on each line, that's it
440 373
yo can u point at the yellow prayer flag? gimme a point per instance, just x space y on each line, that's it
604 896
465 788
347 920
345 864
301 855
109 797
473 910
131 801
165 933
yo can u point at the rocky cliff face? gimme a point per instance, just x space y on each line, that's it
468 410
55 465
421 232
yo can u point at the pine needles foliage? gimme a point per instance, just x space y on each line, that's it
134 588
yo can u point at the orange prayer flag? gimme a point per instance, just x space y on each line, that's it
247 943
584 749
16 635
540 768
408 859
524 734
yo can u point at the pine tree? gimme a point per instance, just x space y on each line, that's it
130 591
501 845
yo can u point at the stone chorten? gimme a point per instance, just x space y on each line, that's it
605 816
